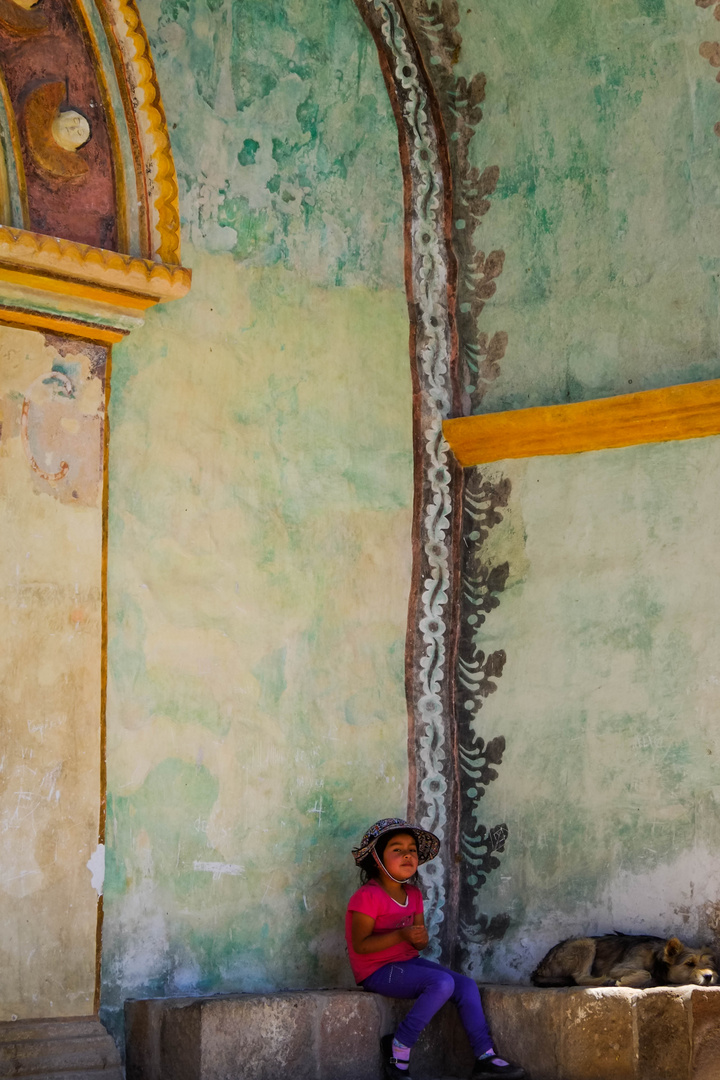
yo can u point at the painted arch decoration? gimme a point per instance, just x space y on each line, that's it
453 362
90 234
430 275
84 127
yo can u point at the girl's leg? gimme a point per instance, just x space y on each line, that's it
433 985
418 978
466 998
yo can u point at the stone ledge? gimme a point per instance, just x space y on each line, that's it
306 1035
567 1034
613 1033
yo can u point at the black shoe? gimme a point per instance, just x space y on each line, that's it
389 1067
486 1067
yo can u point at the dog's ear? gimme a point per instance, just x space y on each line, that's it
673 949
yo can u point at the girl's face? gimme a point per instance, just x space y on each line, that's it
400 857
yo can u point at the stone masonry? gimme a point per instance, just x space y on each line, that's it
569 1034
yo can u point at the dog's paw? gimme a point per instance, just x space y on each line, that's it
611 982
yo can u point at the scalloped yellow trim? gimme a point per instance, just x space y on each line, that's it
78 269
159 167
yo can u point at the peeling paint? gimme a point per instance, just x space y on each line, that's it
217 869
96 866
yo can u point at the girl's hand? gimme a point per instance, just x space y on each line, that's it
416 935
365 940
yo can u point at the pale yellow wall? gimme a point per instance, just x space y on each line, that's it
50 609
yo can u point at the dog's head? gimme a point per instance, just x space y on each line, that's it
688 966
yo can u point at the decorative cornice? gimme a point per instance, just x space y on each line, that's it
144 107
79 290
78 262
686 411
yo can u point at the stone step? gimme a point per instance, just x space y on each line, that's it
115 1073
17 1030
73 1049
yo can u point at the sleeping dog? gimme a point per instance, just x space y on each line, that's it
625 960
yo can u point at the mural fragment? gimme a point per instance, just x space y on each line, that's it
62 426
460 100
477 675
449 280
710 50
61 130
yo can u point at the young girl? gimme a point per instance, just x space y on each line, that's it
385 931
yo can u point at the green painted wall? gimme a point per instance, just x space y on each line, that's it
601 120
608 701
260 501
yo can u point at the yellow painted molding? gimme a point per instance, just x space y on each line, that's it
84 291
22 249
33 320
687 411
144 107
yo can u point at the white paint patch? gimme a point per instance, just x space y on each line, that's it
218 869
96 866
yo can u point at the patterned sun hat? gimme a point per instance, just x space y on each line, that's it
427 843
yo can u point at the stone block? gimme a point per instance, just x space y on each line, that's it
144 1049
663 1033
349 1028
597 1034
259 1037
431 1056
180 1041
525 1025
705 1028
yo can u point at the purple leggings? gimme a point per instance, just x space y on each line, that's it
432 985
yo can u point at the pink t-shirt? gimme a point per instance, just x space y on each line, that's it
372 900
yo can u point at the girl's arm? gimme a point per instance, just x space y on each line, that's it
365 941
420 942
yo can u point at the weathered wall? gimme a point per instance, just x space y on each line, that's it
259 530
603 566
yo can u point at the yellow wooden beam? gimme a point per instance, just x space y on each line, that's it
688 411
